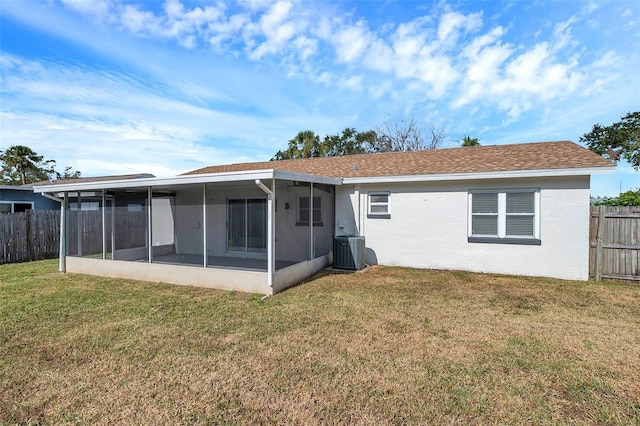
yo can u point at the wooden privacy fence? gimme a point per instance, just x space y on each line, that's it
614 250
30 235
35 234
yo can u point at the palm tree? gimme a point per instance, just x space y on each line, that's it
469 141
22 165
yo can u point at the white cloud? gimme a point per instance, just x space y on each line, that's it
224 31
379 57
275 28
562 33
137 21
452 22
350 41
590 8
97 8
352 83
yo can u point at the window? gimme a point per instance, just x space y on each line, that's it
131 207
379 205
508 216
85 206
15 206
303 211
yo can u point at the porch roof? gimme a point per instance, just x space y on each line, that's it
237 176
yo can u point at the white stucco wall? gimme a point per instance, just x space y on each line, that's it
429 222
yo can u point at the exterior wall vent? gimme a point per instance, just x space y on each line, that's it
348 252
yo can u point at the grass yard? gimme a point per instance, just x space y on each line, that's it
383 346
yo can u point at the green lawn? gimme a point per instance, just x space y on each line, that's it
383 346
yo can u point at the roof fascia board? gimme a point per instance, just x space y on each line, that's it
303 177
17 188
250 175
146 182
483 175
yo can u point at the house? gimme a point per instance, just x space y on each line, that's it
262 227
16 199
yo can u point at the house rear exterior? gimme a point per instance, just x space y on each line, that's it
262 227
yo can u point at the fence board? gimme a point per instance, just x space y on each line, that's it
614 242
35 234
29 235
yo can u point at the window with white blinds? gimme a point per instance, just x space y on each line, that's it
520 214
379 205
507 215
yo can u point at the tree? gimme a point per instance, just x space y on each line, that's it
349 142
306 144
629 198
469 141
619 140
68 174
22 165
406 135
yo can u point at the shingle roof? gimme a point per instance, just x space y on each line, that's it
477 159
91 179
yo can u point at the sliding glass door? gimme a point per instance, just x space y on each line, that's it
247 225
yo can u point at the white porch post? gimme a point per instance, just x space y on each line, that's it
104 224
205 259
149 223
271 233
62 256
80 225
311 245
113 225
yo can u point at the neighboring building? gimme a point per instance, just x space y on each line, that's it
262 227
94 204
16 199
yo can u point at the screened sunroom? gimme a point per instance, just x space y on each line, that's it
257 231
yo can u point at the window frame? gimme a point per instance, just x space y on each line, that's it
247 249
501 237
12 205
317 207
370 204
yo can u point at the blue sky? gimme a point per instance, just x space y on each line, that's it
110 86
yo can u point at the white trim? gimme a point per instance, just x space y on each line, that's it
250 175
13 204
482 175
17 188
